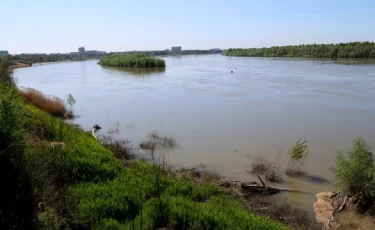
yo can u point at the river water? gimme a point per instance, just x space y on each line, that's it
223 120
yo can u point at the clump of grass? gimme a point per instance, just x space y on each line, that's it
53 105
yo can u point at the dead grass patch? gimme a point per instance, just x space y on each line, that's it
53 105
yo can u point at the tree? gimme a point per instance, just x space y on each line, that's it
355 173
71 100
297 155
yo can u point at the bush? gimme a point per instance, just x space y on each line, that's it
355 174
262 167
5 73
53 105
297 155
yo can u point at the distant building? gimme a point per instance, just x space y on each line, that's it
176 49
81 50
4 53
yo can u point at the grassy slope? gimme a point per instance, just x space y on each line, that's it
83 184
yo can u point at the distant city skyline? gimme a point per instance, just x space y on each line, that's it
62 26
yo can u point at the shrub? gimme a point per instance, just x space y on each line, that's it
119 148
262 167
355 174
297 155
5 73
53 105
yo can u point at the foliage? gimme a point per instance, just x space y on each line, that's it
218 213
355 173
341 50
132 60
48 220
16 210
297 155
299 150
71 100
5 73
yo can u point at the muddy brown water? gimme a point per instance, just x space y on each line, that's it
223 120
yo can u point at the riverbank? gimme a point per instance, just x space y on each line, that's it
223 120
18 65
79 183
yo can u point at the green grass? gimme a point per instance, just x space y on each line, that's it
83 184
132 60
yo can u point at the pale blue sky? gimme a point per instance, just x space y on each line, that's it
119 25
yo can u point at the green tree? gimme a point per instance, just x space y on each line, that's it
355 173
71 100
297 155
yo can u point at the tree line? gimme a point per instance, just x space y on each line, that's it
132 60
30 59
341 50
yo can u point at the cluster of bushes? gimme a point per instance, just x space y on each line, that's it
341 50
56 176
132 60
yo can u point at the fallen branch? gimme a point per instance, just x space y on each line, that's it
261 181
343 205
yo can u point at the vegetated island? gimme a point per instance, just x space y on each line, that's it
341 50
132 61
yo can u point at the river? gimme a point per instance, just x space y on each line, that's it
223 120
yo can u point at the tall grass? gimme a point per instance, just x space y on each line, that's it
53 105
132 60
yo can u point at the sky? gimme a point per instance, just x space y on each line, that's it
61 26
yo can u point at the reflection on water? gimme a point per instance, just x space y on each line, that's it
136 71
370 61
220 118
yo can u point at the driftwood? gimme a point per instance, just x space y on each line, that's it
246 188
270 190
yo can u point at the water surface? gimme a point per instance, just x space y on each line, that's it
225 120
